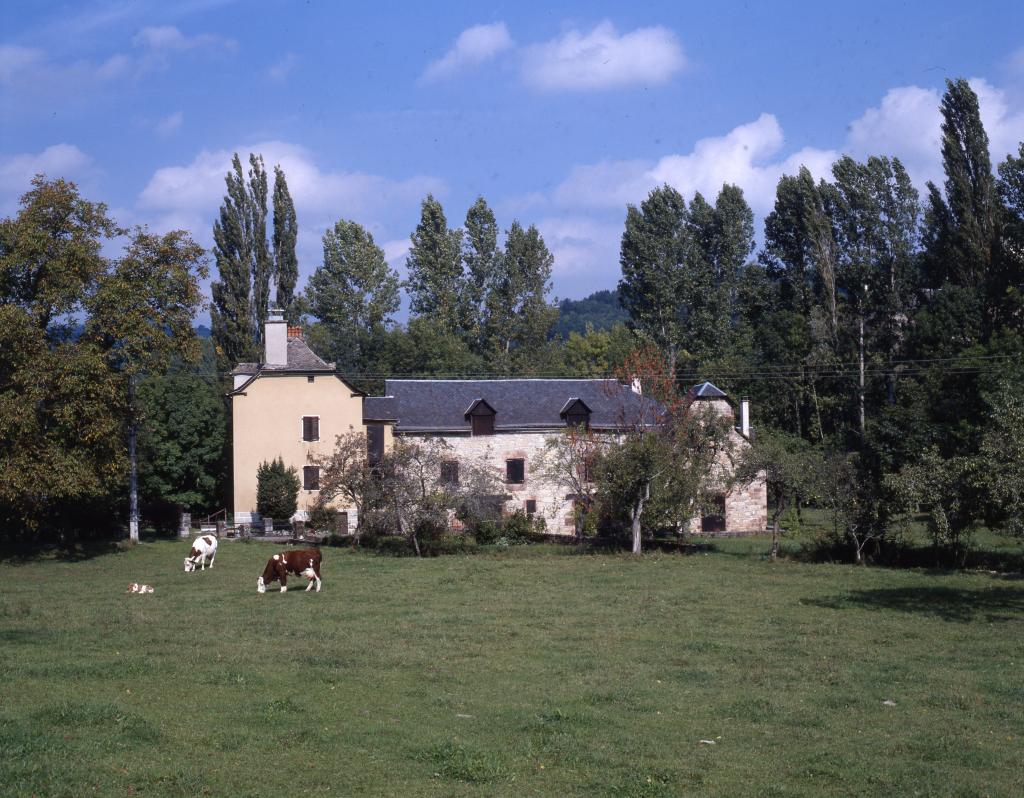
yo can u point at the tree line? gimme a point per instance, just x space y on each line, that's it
877 327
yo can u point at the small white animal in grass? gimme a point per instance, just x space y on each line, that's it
135 587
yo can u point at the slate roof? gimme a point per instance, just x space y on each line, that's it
706 390
380 408
523 404
300 358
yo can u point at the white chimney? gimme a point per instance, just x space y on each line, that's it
745 417
275 339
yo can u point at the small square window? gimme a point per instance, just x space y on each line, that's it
531 507
310 378
450 472
310 428
515 471
311 477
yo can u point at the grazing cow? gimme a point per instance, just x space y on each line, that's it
202 547
301 562
135 587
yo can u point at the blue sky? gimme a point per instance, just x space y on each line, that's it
558 113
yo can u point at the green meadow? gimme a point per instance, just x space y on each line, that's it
531 671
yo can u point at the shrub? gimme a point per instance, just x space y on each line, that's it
277 490
486 531
323 519
520 528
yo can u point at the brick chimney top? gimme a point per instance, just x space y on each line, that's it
294 332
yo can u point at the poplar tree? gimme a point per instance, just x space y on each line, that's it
231 315
962 225
435 284
353 294
286 232
518 314
651 255
482 259
246 264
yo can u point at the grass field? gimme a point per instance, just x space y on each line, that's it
531 672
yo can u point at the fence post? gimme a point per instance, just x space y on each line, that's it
268 526
185 525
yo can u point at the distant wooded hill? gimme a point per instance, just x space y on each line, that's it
601 309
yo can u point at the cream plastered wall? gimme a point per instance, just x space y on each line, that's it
267 423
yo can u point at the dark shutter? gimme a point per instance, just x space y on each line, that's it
578 418
311 477
483 424
374 444
450 472
515 471
310 428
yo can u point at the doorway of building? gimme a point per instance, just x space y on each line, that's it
714 521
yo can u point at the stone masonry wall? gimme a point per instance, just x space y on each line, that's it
494 450
745 509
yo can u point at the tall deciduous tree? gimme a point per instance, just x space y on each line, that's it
231 312
246 263
962 225
262 262
482 259
651 256
142 316
518 314
354 294
874 212
436 286
60 407
286 233
182 437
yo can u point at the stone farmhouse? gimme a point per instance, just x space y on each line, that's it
293 405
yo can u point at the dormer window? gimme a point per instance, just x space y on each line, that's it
481 418
576 413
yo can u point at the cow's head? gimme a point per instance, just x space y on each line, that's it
190 564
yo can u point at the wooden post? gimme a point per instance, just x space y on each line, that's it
268 526
220 528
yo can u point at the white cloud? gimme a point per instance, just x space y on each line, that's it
58 160
167 38
200 184
908 124
578 243
170 124
33 75
15 61
745 156
474 46
279 71
905 124
1004 125
29 70
603 59
188 196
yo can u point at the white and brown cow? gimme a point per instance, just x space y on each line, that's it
202 547
301 562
